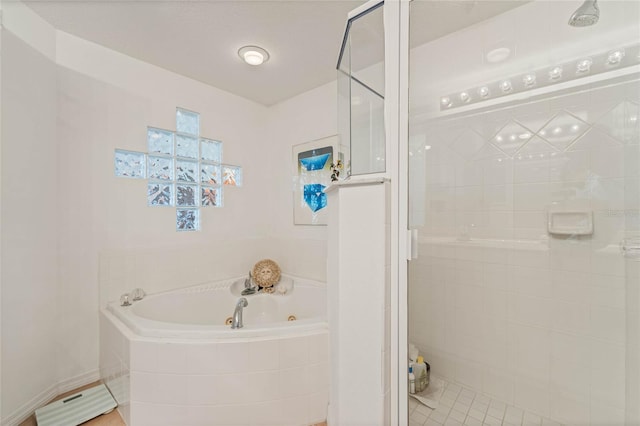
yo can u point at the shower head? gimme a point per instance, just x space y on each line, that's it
585 15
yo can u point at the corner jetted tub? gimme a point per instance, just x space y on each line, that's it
170 359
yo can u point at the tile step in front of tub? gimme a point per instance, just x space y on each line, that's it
77 408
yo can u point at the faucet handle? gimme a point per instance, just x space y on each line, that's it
124 300
137 294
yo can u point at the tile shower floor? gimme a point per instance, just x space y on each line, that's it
461 406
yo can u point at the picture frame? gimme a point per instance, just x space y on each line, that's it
311 176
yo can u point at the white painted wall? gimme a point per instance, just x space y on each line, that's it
29 204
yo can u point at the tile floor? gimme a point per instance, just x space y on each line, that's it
460 406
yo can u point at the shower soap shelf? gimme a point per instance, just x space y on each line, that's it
77 408
570 222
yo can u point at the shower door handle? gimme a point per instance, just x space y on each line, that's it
412 244
630 248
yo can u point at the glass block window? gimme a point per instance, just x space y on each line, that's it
186 171
210 174
160 168
159 194
232 175
211 150
187 219
182 169
187 147
187 122
159 141
130 164
186 195
211 196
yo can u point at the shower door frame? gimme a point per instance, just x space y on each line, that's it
396 116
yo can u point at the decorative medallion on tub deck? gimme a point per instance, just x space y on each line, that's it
266 273
182 168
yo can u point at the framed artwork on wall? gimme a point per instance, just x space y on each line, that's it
311 175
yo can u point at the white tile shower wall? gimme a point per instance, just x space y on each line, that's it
496 303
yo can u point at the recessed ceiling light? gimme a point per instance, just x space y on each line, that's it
498 55
253 55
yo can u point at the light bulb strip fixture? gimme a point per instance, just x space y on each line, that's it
542 77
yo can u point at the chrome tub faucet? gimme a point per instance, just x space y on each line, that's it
236 321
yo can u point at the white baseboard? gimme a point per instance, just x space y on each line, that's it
28 408
79 380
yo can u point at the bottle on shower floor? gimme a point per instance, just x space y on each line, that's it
412 381
421 370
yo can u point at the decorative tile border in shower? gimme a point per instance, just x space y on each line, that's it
461 406
183 169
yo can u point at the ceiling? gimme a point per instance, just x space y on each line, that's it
200 39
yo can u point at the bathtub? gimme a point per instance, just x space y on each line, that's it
169 359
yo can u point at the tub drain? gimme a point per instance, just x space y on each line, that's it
228 321
292 318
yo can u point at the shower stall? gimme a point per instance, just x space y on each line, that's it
510 133
524 201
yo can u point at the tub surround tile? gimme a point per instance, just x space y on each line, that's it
262 386
294 352
293 381
202 389
318 376
318 348
157 414
295 411
231 388
232 357
144 356
267 414
197 385
202 358
270 354
172 358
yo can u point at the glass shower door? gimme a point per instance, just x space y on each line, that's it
361 93
524 189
